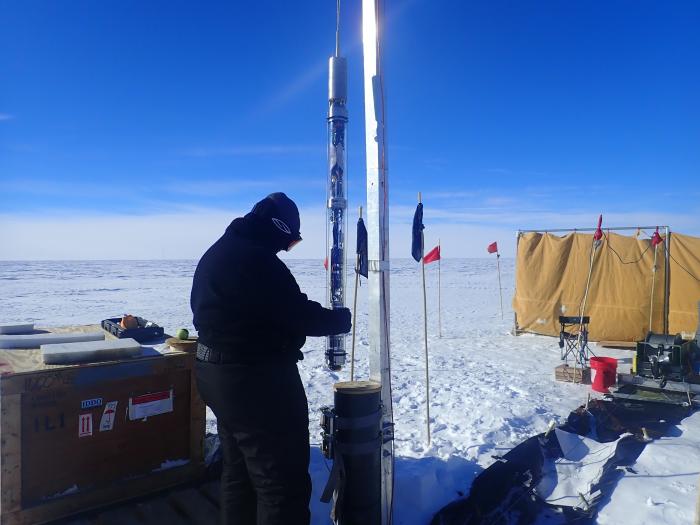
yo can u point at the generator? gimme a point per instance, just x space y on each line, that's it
666 357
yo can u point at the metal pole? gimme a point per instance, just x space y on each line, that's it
337 28
378 233
617 228
515 290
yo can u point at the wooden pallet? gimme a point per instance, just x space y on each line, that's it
569 374
190 504
619 345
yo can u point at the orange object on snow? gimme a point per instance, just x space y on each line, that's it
129 321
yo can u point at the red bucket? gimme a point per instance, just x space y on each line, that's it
604 373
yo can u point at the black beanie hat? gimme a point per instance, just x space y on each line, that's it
282 213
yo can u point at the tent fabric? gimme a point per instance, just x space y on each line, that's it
550 281
685 284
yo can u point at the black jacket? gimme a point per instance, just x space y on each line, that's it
246 302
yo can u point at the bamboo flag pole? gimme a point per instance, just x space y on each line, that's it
440 293
597 241
354 313
425 334
582 311
653 283
500 290
588 284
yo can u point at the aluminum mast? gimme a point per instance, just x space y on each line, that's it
378 233
337 194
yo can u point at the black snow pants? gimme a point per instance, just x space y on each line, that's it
263 423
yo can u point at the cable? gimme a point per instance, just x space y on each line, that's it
641 256
337 29
679 264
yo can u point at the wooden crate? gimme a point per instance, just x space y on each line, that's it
53 464
569 374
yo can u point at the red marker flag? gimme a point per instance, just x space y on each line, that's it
656 238
325 263
493 247
432 256
598 235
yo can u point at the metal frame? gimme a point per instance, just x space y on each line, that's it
574 343
671 386
616 228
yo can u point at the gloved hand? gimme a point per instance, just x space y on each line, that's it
343 321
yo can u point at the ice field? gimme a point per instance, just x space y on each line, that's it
489 389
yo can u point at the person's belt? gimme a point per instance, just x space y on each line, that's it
210 355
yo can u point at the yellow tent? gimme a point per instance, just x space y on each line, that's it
551 274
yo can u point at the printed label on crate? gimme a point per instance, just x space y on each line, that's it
153 404
85 425
108 416
91 403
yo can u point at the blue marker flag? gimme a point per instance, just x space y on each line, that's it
417 242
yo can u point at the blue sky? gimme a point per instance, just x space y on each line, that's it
167 119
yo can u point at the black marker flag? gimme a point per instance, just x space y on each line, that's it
362 257
417 242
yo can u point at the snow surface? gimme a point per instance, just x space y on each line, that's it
489 390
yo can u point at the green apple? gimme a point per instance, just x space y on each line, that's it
182 333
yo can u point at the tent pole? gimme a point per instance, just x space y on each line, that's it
515 289
667 272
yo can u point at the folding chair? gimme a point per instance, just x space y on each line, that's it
573 339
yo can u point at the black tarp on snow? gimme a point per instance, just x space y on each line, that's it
505 492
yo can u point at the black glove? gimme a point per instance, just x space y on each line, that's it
342 321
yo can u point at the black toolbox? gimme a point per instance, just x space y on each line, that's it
141 334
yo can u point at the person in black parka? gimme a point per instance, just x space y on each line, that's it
252 320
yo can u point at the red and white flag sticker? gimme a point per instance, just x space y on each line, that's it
153 404
85 425
108 416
